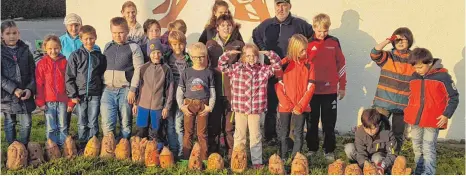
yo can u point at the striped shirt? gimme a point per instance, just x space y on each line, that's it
393 87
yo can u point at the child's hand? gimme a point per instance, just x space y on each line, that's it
231 52
295 111
164 113
69 109
185 110
134 109
43 108
267 53
75 100
18 92
27 94
442 121
206 111
341 94
131 97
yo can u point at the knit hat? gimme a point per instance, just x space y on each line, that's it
72 18
282 1
154 44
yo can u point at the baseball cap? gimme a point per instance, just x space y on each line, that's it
282 1
72 18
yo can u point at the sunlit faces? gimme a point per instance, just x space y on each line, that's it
321 33
221 10
422 68
402 43
153 32
250 56
73 29
225 29
129 13
371 131
52 48
155 56
177 47
10 36
282 10
119 34
199 58
88 40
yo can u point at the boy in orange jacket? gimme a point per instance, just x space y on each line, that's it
432 101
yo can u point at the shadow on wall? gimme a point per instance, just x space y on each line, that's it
362 74
456 129
192 38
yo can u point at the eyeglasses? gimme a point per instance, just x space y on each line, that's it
198 57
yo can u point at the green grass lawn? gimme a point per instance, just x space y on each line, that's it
450 161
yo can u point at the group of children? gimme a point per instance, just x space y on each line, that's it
173 92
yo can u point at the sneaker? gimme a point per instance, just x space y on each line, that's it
258 166
310 154
330 157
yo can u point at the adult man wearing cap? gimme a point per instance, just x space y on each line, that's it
273 34
70 40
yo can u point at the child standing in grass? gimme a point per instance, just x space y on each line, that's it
196 98
155 92
18 83
432 101
249 81
294 90
84 83
51 92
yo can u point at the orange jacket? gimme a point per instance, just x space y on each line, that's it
296 86
431 96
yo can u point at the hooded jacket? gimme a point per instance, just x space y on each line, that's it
431 96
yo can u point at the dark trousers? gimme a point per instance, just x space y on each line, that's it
270 123
298 123
190 122
323 107
397 127
220 120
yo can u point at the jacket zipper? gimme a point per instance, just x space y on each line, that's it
54 73
89 65
419 113
280 32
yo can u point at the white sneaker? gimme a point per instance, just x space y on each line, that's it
330 157
310 154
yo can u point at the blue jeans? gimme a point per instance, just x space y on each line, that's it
56 122
88 117
175 130
424 147
10 129
114 106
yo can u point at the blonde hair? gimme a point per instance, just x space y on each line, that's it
198 46
172 26
321 20
128 4
254 48
176 36
296 44
49 38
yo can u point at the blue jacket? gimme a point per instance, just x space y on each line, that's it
69 45
274 35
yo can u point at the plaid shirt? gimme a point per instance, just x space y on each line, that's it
249 83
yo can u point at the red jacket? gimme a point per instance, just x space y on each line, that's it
431 96
50 80
330 64
296 86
